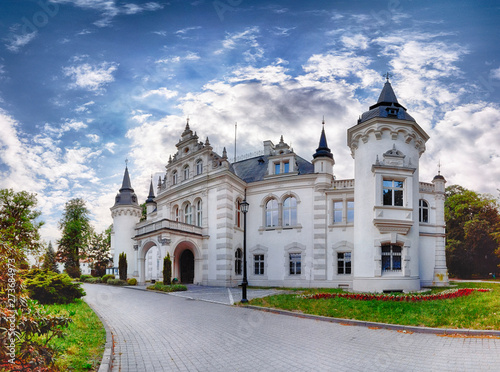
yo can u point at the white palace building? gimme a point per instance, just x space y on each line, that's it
384 230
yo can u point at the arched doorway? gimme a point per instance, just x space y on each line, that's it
186 266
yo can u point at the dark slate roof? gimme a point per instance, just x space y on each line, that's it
323 150
386 106
254 169
151 196
126 195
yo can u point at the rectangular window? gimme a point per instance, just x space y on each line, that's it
393 193
337 211
344 263
350 212
286 167
391 257
277 168
258 260
295 264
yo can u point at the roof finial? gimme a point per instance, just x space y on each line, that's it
439 167
387 75
126 163
323 122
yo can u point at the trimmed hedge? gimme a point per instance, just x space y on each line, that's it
84 277
132 281
93 280
167 288
116 282
106 277
49 287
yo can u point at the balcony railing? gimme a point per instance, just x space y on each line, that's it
166 224
343 184
426 187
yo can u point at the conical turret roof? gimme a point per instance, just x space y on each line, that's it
126 195
323 150
151 196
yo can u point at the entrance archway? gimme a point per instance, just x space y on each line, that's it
186 267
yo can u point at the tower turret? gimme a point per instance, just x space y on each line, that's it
323 158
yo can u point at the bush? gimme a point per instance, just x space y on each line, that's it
105 278
93 280
132 281
167 270
167 288
116 282
84 277
122 266
49 287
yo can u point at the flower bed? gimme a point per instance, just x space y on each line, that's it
452 293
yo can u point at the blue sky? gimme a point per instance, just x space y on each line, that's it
86 84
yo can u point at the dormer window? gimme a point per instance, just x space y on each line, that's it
282 167
392 111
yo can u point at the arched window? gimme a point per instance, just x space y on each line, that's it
186 172
188 214
199 213
174 178
423 211
237 218
176 214
238 263
290 211
272 213
199 167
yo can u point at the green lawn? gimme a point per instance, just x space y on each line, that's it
480 310
82 347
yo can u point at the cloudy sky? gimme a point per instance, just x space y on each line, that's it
86 84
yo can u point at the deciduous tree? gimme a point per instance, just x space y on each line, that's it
98 251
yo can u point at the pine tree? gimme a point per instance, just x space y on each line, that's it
49 259
167 270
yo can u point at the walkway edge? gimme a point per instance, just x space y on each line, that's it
107 356
392 327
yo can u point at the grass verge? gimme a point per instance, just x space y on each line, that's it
82 347
167 288
480 310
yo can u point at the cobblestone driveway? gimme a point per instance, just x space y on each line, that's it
158 332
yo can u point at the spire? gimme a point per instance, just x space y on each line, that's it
323 150
126 195
151 195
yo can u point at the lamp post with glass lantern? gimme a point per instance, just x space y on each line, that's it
244 208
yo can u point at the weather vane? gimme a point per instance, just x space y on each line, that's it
126 162
387 75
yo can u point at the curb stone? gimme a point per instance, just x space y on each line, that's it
392 327
107 356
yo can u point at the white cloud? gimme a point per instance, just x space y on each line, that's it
94 138
84 107
190 56
162 92
90 77
358 41
243 40
495 73
15 42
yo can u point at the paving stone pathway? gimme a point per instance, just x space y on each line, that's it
160 332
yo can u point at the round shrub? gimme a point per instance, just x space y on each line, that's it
132 281
105 278
93 280
49 287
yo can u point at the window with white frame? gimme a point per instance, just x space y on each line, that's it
188 214
176 214
350 211
199 213
277 168
393 192
174 178
258 262
290 211
199 167
272 213
423 211
343 262
282 167
295 263
391 257
338 208
186 172
238 263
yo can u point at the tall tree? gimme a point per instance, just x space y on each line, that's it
76 231
98 251
473 232
49 259
19 221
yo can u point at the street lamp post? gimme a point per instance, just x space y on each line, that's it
244 208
